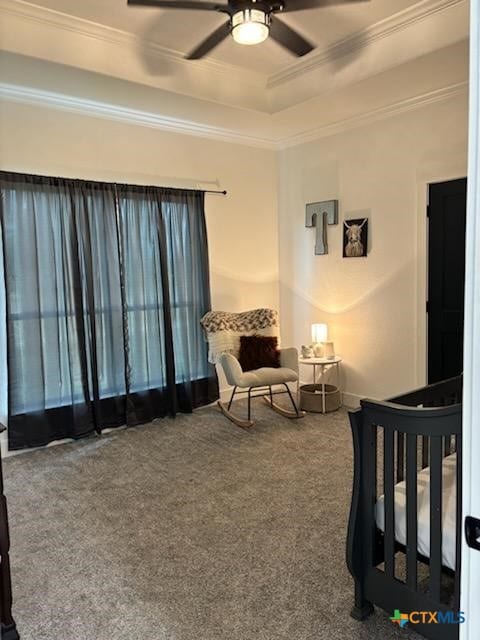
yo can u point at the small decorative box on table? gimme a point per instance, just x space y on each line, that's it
321 397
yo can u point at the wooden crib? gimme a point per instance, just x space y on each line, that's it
404 538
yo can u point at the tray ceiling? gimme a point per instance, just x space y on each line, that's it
105 58
180 30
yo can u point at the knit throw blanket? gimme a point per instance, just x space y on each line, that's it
223 329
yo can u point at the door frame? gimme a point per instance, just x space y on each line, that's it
456 171
470 578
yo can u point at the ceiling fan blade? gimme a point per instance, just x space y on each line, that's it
179 4
211 42
299 5
289 38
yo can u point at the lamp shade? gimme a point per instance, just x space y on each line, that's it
319 332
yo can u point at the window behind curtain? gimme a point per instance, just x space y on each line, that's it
105 286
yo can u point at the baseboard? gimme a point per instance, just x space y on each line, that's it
351 400
225 394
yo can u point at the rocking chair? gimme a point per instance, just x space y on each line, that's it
259 383
224 331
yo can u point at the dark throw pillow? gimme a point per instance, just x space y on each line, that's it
258 351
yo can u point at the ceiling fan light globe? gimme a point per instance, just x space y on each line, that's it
250 33
250 26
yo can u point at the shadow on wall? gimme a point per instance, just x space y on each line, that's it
150 53
243 292
347 52
375 334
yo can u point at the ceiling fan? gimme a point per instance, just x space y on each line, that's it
250 21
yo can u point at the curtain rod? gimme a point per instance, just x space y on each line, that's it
34 177
222 193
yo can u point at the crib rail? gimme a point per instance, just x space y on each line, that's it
393 441
439 394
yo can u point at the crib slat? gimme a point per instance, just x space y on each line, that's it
388 479
448 445
400 456
436 460
458 523
424 452
412 511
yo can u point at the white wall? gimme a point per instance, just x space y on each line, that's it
374 306
242 227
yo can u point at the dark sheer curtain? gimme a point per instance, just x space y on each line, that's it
105 287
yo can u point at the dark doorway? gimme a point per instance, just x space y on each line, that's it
446 278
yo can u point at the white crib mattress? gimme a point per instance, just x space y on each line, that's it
423 497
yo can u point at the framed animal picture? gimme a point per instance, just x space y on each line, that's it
355 238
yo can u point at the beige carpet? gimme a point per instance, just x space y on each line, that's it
188 529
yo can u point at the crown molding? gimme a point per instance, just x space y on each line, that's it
82 106
399 21
80 26
382 113
85 107
215 73
383 29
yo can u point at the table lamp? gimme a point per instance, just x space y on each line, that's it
321 347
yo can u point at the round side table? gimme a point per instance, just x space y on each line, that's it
310 391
